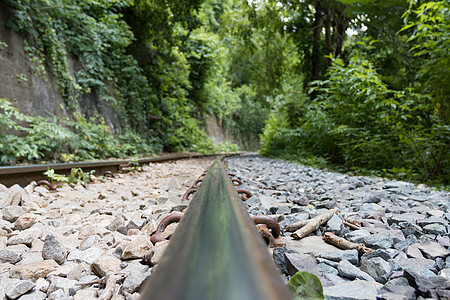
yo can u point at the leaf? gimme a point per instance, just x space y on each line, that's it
306 285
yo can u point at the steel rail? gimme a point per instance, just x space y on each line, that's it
216 251
23 175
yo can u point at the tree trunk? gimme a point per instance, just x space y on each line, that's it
339 32
317 29
328 35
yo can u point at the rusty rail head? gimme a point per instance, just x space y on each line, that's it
216 251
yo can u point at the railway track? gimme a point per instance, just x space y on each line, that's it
23 175
216 251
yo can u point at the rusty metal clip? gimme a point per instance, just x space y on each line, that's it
236 180
188 192
51 187
109 174
270 222
247 194
269 230
196 184
172 218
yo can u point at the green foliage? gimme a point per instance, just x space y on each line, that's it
357 121
3 45
54 177
77 175
25 138
306 285
430 40
166 66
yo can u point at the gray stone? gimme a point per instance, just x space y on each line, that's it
136 248
279 259
118 224
405 218
353 290
280 208
69 287
13 196
397 281
89 242
331 263
445 273
422 266
435 229
301 262
137 274
357 236
17 288
41 285
376 267
377 253
378 241
59 295
9 256
12 213
435 212
86 294
79 271
431 220
433 250
137 223
106 264
414 252
37 295
253 201
444 241
158 252
396 234
371 208
310 244
425 284
54 249
338 255
327 269
335 223
332 279
404 291
347 270
410 239
373 199
88 256
24 237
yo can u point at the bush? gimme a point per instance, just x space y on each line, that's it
31 139
358 122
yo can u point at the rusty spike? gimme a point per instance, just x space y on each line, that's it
247 194
197 182
266 234
270 222
51 187
236 180
172 218
109 174
188 192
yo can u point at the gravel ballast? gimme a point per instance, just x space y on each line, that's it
65 244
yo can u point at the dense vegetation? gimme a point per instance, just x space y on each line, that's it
362 85
381 101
